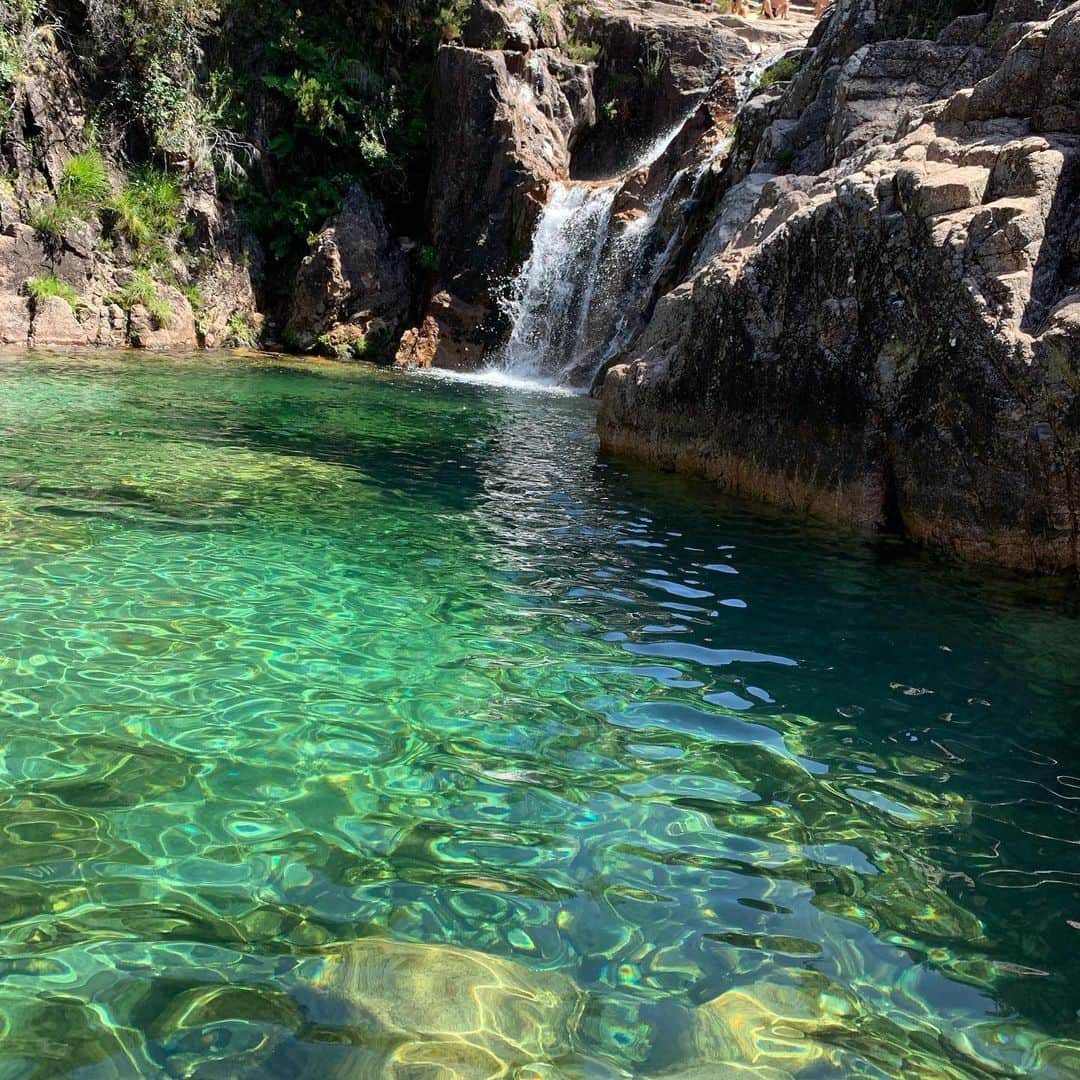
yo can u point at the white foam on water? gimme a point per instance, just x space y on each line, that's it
502 379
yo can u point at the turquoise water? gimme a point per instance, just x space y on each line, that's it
361 725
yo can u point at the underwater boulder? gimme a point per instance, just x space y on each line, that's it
458 1013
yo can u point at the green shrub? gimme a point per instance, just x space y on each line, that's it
427 259
582 52
240 334
42 288
784 70
141 291
450 20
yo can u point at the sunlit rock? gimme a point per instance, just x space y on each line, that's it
460 1013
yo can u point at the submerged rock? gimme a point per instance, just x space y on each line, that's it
449 1012
779 1026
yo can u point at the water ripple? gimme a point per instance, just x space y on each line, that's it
311 674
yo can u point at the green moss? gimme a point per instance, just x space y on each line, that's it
427 259
43 288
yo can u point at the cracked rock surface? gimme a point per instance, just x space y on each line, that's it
881 322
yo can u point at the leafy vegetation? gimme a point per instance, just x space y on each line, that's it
582 52
450 20
141 291
240 334
289 102
148 212
43 288
27 36
344 90
83 192
784 70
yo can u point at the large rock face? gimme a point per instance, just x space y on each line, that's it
890 334
506 123
355 285
201 297
514 113
656 60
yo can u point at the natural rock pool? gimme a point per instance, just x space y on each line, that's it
360 725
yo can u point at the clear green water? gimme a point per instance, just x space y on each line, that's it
292 658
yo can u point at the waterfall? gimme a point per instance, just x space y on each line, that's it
587 275
550 300
599 252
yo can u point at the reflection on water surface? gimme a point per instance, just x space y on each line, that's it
355 725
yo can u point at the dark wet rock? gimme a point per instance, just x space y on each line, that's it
451 336
656 60
506 127
355 285
890 335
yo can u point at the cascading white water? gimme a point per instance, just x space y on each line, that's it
549 301
568 303
589 280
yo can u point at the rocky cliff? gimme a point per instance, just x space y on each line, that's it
93 252
878 320
539 93
859 297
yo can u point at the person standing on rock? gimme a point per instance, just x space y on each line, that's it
741 8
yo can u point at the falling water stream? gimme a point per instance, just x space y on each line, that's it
593 271
587 275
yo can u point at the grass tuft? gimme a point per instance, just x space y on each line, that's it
85 184
43 288
141 291
148 211
784 70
